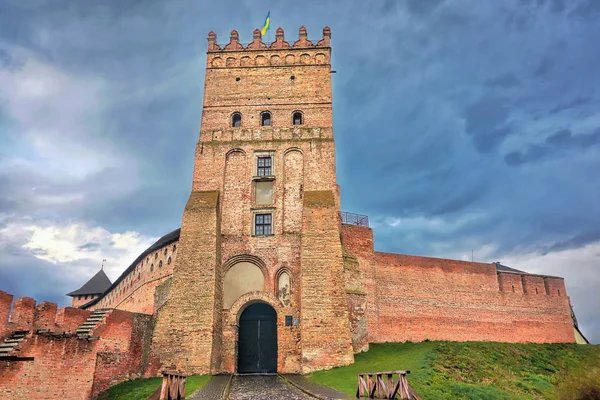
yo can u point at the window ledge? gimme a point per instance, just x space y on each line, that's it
260 236
265 207
264 178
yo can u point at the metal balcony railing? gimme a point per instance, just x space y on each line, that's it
354 219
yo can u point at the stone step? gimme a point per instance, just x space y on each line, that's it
89 324
14 340
7 346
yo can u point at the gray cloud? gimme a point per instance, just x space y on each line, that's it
572 104
506 80
556 144
487 122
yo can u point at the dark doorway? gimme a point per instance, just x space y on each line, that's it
257 341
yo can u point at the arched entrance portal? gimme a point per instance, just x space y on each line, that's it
257 340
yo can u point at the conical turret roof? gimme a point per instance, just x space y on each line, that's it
97 285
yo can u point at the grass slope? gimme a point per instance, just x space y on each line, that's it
478 370
141 389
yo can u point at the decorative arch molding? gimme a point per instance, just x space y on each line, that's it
246 258
291 149
281 271
247 299
236 150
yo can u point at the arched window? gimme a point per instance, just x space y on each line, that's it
152 268
160 264
174 247
297 118
265 118
236 120
169 261
156 255
165 252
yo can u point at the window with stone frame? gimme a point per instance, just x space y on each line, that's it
263 224
264 166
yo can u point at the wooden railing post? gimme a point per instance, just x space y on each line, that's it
381 385
173 386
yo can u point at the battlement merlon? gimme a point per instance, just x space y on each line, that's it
257 43
276 54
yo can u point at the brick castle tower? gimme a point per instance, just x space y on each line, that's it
262 221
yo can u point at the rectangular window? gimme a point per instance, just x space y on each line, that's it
264 166
262 224
263 193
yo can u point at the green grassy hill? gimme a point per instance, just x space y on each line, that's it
478 370
141 389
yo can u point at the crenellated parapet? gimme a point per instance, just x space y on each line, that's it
278 53
27 316
531 284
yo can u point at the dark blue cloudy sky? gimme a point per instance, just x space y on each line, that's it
461 125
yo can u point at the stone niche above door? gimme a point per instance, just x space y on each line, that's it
241 278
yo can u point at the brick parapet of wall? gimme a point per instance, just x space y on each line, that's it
45 316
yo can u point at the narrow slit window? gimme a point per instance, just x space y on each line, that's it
236 120
265 119
264 166
262 224
297 118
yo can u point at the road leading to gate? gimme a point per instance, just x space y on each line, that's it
259 387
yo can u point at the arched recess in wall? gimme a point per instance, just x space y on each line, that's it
242 275
293 172
283 286
236 181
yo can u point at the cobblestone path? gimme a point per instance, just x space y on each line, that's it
259 387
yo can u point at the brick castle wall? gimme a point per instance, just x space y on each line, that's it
135 292
418 298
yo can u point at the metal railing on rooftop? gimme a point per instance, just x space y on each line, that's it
354 219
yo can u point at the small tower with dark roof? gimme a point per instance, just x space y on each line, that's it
91 289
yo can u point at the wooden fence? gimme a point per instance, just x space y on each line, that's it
385 385
173 387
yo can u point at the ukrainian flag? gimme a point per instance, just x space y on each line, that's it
265 28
